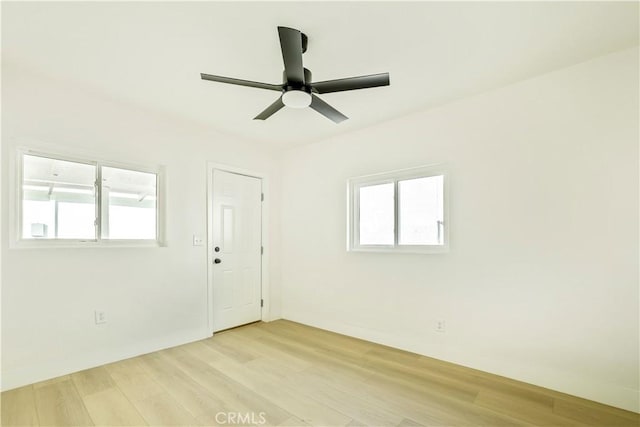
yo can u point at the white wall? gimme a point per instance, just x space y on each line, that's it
541 283
153 297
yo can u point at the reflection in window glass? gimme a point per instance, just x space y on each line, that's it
130 200
38 219
421 211
58 199
376 215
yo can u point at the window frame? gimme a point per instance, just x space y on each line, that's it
18 241
353 211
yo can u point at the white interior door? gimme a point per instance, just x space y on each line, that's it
237 240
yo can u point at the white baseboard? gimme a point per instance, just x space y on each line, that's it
14 377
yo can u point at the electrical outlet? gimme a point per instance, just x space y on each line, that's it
100 316
441 326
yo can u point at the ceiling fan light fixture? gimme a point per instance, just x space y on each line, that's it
296 99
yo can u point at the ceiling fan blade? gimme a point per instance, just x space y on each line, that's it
291 45
352 83
240 82
327 110
270 110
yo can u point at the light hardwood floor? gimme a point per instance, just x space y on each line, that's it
288 374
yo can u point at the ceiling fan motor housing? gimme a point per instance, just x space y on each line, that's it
287 86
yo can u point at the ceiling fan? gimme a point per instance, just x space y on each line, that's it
298 90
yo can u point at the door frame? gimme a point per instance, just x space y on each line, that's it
264 264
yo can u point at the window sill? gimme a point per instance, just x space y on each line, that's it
434 249
71 243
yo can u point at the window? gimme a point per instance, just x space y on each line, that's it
129 204
65 200
401 211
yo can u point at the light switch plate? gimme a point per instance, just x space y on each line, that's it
100 317
197 240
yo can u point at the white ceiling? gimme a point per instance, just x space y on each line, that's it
151 53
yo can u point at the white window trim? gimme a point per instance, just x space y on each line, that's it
18 242
353 212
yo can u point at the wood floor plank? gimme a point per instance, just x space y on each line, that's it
157 364
163 410
443 405
203 352
19 408
227 346
527 410
406 384
592 415
401 397
272 352
358 408
340 367
92 381
296 376
409 423
420 379
109 407
401 364
133 380
299 405
51 381
293 422
236 396
318 338
192 396
59 404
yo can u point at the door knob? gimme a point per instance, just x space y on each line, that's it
217 260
